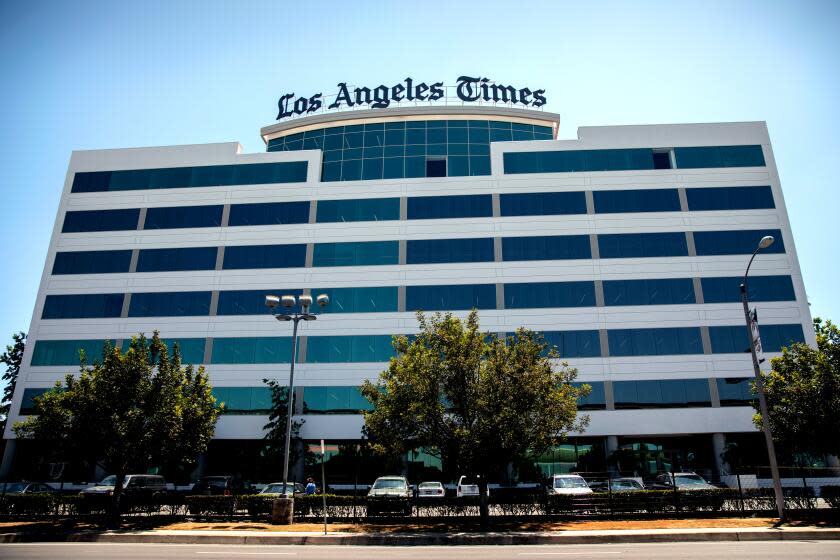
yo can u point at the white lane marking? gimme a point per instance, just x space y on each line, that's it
581 553
249 553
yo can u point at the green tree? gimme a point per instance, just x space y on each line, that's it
480 401
12 357
275 429
803 395
131 411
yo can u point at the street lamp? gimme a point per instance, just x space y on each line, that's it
765 242
289 302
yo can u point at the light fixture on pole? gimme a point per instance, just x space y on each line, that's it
289 302
765 242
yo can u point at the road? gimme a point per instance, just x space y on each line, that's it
769 550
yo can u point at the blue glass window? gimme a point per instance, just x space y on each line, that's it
360 210
633 245
184 217
664 393
359 300
719 156
427 251
546 248
182 177
733 339
641 200
759 288
596 399
355 348
736 242
334 400
100 220
264 256
356 253
169 304
729 198
192 349
549 294
27 403
578 160
84 306
450 298
542 204
574 344
243 400
438 207
187 258
92 262
252 350
66 352
735 391
269 213
655 342
669 291
249 302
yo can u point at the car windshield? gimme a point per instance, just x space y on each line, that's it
277 488
570 482
15 487
389 484
689 480
108 481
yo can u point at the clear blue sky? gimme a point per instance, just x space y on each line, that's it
86 75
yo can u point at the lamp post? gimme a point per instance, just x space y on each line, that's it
765 242
284 506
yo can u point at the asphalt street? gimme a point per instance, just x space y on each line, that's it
764 550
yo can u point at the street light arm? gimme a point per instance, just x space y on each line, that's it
749 264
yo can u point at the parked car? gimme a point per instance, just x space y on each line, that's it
617 485
467 486
134 485
389 494
220 486
566 484
684 481
430 490
27 488
276 489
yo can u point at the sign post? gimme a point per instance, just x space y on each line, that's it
324 485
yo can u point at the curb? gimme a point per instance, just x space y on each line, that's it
432 539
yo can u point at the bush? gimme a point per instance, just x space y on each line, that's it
28 504
211 505
831 495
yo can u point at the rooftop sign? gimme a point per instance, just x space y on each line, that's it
466 90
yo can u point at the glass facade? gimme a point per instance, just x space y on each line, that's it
733 339
578 160
179 259
429 251
759 288
735 391
549 294
243 400
439 207
635 245
359 300
669 291
655 342
596 399
642 200
77 221
353 348
27 403
736 242
191 349
183 217
334 400
356 253
66 352
361 210
542 204
183 177
252 350
91 262
249 302
269 213
719 156
729 198
169 304
450 298
397 150
546 248
83 306
574 344
264 256
661 393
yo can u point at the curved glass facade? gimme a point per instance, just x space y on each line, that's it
396 150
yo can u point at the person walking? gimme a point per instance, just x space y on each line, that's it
310 486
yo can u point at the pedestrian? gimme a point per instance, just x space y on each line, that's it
310 486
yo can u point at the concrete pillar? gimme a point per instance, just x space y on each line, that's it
8 459
612 446
718 447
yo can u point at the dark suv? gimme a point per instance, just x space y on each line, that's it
220 486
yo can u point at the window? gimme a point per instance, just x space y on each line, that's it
450 298
100 220
182 177
574 344
654 342
362 210
733 339
264 256
596 399
544 248
169 304
578 160
643 200
665 393
66 352
271 213
27 403
438 207
183 217
359 300
435 167
759 288
661 159
634 245
85 306
719 156
334 400
670 291
735 391
243 400
549 294
356 253
92 262
191 258
542 204
357 348
736 242
252 350
250 302
428 251
729 198
191 349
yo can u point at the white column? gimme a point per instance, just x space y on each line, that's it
719 445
